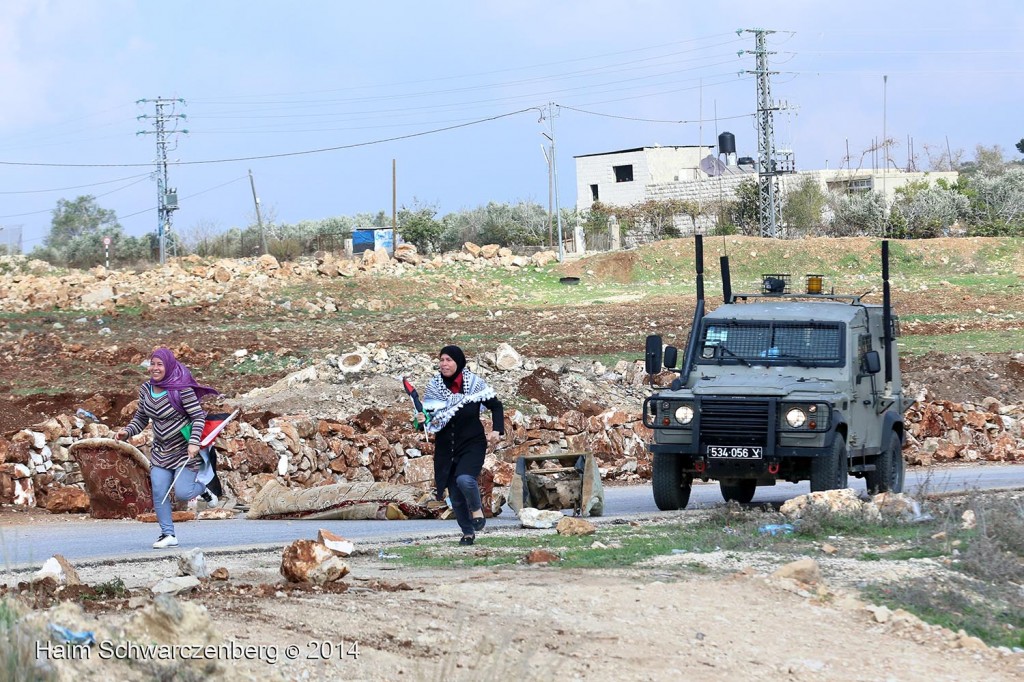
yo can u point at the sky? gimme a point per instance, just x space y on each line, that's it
318 98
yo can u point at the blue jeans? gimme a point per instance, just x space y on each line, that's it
465 497
185 488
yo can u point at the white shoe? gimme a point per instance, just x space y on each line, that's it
210 498
165 541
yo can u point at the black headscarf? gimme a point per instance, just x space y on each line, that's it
456 354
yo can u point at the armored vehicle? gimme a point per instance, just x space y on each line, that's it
779 385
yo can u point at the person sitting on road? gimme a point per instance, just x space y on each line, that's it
170 399
460 444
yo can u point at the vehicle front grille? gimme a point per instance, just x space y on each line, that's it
734 422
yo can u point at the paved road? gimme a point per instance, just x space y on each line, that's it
98 541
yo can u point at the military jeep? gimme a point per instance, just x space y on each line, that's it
778 385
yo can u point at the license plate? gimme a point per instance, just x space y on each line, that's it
735 451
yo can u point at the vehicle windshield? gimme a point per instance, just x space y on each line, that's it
750 342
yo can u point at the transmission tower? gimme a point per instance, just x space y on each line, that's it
769 197
165 124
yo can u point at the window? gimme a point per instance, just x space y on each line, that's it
593 193
749 342
623 173
855 186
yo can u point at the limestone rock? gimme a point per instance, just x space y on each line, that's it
542 556
177 585
843 501
506 358
334 542
803 570
570 525
537 518
66 499
193 562
309 561
169 621
59 569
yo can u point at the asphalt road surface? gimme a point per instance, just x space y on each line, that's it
26 545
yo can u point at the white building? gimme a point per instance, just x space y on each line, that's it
693 173
622 178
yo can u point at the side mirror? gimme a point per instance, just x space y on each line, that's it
872 363
671 356
652 354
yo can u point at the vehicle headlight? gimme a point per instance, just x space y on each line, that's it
684 414
796 417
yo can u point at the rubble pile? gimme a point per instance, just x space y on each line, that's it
943 431
28 285
360 430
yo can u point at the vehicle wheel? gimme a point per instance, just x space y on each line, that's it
829 472
739 489
890 471
671 485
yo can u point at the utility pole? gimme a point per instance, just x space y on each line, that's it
551 197
259 216
394 200
167 198
769 197
554 174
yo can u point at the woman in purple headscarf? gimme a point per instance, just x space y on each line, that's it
170 399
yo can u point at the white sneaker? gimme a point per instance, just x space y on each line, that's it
165 541
210 498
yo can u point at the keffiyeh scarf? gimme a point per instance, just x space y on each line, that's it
474 391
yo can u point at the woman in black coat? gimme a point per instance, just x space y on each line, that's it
458 397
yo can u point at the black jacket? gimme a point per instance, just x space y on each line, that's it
459 447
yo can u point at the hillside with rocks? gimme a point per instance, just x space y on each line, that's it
312 352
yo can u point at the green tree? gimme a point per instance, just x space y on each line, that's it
742 214
1020 145
73 219
659 216
77 231
803 207
860 213
521 224
418 225
997 203
923 211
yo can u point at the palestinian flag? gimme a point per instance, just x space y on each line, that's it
215 423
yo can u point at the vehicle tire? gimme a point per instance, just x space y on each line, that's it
829 472
738 489
671 485
890 470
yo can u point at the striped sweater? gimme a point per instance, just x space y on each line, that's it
170 448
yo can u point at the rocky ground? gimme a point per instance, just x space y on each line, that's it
722 611
244 327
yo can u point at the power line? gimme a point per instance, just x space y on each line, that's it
50 210
487 73
651 120
62 189
273 156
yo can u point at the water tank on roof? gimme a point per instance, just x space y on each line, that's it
726 143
